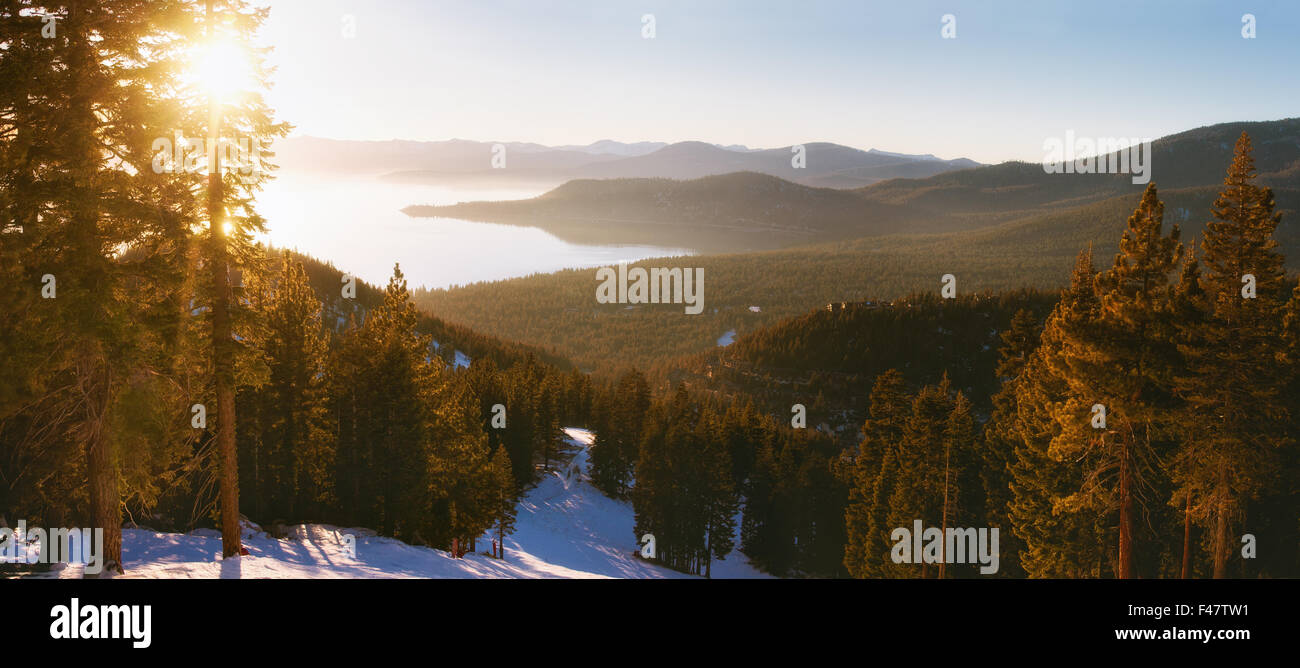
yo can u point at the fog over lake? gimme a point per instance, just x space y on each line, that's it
357 224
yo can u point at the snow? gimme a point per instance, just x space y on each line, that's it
565 528
728 338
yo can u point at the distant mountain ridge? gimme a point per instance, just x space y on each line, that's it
738 211
611 147
749 210
820 164
824 164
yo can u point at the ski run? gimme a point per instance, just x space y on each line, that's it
565 528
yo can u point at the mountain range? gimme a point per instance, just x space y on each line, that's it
748 210
459 161
996 228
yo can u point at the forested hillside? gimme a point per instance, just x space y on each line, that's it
733 212
828 359
1140 423
159 364
559 312
327 283
314 389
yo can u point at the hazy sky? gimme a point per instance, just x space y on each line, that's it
867 74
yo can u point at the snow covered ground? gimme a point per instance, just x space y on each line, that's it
565 529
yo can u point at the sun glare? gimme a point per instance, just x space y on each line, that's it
223 69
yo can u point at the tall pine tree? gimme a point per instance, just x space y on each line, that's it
1115 368
1231 379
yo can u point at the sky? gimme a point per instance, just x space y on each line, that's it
765 74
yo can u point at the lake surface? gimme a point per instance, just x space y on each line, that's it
357 224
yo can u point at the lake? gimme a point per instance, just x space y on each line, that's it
357 224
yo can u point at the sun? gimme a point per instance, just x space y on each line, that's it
222 69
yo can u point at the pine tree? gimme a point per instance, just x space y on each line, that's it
720 499
502 484
822 482
1119 361
618 440
387 411
961 445
1283 500
1186 313
521 390
77 113
918 481
866 548
684 494
229 198
461 476
1231 380
546 420
229 193
758 531
1018 343
1001 437
293 467
653 495
351 400
1055 544
486 384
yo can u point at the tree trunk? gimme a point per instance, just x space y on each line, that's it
1221 525
1187 539
105 512
258 487
943 523
1125 570
354 451
93 373
222 364
708 554
230 540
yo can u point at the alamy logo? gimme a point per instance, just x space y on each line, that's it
953 546
24 546
48 30
658 285
1103 155
242 156
100 622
